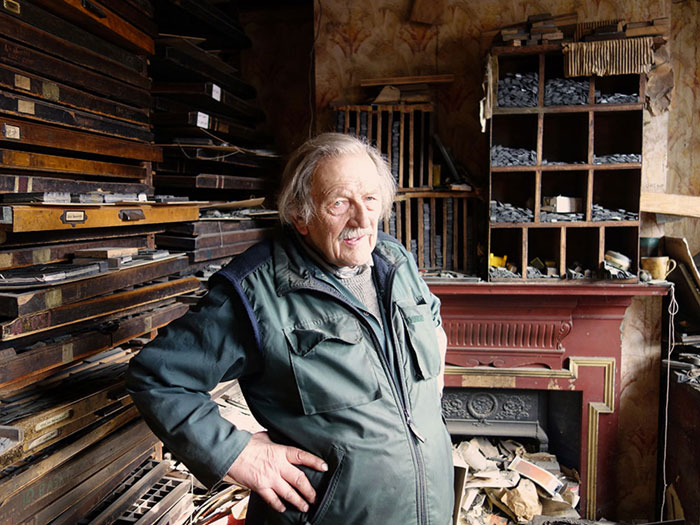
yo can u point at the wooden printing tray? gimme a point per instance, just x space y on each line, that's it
174 126
182 157
209 181
196 18
14 240
28 300
188 61
49 478
49 426
211 226
29 161
42 111
208 96
33 134
45 254
66 315
139 13
46 217
207 254
20 364
99 20
31 60
39 87
211 240
170 106
77 502
62 31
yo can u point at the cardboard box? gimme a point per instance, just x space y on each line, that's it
561 204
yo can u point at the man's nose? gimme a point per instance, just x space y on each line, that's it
360 217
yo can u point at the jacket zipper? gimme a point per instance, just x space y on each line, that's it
399 391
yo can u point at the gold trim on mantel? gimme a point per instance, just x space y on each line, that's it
595 408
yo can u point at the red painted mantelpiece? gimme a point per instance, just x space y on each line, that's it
547 337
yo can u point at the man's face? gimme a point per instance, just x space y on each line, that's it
347 196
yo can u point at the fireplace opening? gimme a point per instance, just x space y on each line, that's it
542 420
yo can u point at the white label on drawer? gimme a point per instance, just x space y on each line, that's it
46 423
25 106
216 92
22 82
43 439
75 216
202 120
12 132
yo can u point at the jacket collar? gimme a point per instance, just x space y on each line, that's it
294 268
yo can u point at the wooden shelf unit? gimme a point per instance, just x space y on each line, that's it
563 146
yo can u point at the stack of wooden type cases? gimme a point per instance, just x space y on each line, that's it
203 111
432 224
207 123
76 157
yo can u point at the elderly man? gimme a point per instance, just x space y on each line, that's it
337 345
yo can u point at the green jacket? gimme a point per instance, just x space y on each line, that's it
316 371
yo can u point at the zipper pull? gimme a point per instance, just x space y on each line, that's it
413 428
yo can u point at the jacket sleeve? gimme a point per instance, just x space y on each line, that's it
170 380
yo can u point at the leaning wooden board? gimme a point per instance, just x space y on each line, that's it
79 345
97 18
40 87
32 134
69 314
13 304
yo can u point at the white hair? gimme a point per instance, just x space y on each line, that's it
294 199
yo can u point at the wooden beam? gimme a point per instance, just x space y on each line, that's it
670 204
403 81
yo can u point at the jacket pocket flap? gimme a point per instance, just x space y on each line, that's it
302 340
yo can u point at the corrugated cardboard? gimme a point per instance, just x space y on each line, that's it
608 57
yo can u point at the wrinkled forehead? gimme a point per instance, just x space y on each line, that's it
355 172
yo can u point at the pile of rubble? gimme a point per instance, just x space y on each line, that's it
518 90
506 212
502 480
505 156
499 272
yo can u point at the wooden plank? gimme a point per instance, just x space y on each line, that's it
30 301
67 469
59 165
209 96
42 111
97 18
670 204
9 239
191 124
402 81
211 240
40 63
79 345
86 57
60 29
92 308
30 133
138 14
40 87
209 181
203 227
32 218
45 254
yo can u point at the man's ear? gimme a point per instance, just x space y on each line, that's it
300 225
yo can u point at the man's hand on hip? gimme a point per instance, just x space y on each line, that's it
268 469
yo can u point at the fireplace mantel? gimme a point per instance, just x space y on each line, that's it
548 336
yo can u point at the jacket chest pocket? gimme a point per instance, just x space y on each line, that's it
421 340
331 364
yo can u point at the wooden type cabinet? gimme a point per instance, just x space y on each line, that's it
579 138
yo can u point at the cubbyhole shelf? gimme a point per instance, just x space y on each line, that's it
617 133
582 249
514 141
516 189
618 191
545 244
565 138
